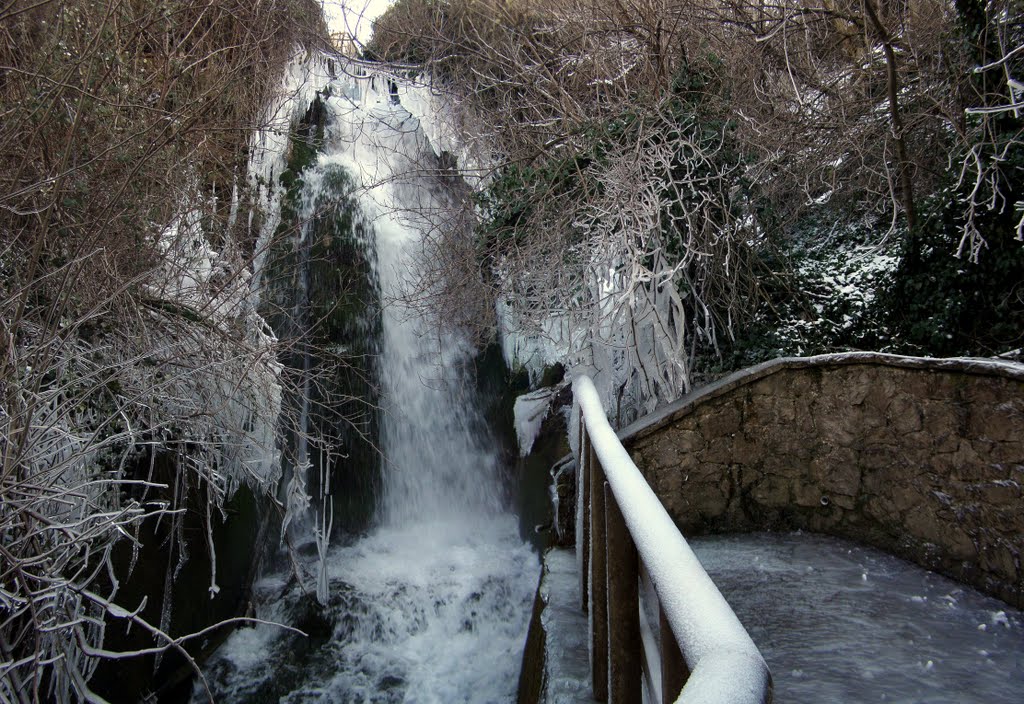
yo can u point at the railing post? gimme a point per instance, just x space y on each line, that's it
720 649
674 671
598 584
585 463
625 646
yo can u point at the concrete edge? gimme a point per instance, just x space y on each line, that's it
683 406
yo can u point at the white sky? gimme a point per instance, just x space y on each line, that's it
354 17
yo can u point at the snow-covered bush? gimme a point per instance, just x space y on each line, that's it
822 295
178 368
128 336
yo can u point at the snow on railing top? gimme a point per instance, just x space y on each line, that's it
725 665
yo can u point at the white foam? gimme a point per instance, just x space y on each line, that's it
433 604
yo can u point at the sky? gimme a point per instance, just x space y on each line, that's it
354 16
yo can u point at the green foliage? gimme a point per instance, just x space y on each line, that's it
821 289
830 288
344 327
305 140
521 192
344 305
949 297
943 305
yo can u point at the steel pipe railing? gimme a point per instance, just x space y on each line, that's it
706 656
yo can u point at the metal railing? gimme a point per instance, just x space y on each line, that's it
705 655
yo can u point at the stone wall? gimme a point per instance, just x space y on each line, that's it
921 458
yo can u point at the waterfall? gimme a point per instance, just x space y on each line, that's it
431 603
437 468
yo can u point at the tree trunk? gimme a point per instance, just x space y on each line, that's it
903 175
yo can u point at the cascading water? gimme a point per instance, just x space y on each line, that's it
431 605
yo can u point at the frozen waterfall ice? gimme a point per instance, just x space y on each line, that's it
431 605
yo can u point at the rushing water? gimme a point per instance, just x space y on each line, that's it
838 622
431 605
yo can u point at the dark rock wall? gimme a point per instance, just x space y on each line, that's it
921 458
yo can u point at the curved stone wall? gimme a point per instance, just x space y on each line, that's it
923 458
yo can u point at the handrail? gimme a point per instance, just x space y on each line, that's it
706 656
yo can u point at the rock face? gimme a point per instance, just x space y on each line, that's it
922 458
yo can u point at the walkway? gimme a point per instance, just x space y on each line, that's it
837 622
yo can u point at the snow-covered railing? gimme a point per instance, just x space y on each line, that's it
706 656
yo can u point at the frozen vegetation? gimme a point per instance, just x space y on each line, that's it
190 374
585 182
529 413
139 388
658 213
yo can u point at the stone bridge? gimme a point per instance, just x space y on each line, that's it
922 458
